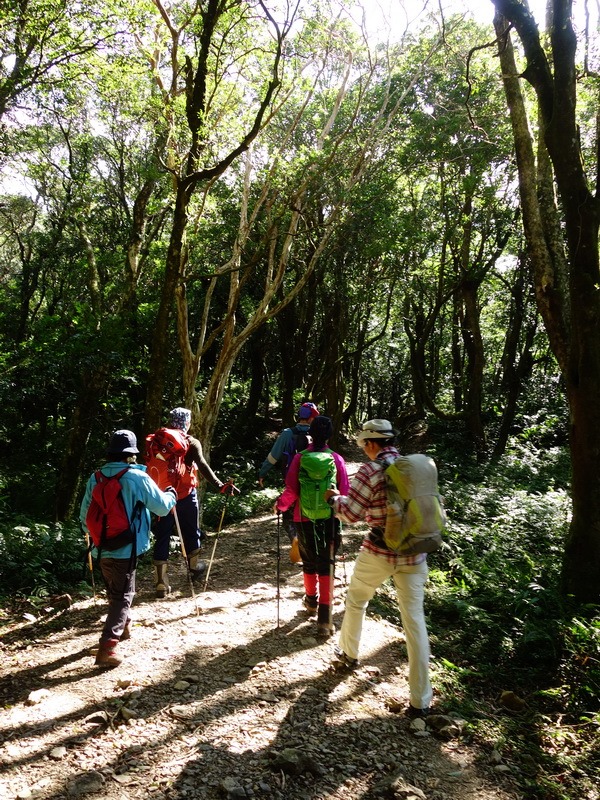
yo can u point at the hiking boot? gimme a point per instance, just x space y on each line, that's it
161 580
325 629
106 657
126 631
343 663
309 601
325 626
416 713
196 566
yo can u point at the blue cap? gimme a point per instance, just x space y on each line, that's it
308 411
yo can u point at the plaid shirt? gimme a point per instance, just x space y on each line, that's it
367 499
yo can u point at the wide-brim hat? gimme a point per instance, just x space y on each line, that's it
375 429
122 442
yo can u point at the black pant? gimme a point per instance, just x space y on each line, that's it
314 539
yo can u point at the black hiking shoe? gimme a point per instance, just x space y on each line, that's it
198 572
416 713
310 603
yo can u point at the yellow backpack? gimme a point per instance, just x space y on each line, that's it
415 517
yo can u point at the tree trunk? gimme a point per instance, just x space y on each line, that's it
93 386
161 341
473 342
577 348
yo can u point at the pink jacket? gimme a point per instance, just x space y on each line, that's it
291 493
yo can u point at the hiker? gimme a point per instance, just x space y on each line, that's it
289 442
366 500
318 536
141 497
186 509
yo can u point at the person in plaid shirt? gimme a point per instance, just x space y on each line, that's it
367 500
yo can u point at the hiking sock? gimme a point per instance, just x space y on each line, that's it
310 585
325 588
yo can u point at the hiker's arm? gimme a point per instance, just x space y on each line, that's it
292 486
276 453
85 503
342 482
195 453
155 500
353 507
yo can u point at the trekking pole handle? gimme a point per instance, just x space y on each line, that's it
229 487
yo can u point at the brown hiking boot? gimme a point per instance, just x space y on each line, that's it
106 657
325 629
161 580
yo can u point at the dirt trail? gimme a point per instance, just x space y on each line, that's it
223 702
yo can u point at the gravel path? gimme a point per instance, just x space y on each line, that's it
216 700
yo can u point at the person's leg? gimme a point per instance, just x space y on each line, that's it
120 590
162 538
162 535
187 514
326 547
289 526
410 590
369 573
306 545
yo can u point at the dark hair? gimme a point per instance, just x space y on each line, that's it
320 430
382 442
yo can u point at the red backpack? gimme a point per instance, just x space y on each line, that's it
165 453
106 519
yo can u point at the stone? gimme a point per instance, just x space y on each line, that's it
37 696
85 783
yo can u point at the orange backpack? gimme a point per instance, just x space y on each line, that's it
165 453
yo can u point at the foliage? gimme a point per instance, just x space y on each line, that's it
40 560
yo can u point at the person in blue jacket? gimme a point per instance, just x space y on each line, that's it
141 497
289 442
285 447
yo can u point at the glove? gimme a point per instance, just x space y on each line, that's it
229 488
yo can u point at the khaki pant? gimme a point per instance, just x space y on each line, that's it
370 571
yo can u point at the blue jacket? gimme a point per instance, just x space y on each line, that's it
136 486
282 444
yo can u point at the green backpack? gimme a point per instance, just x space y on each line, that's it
317 474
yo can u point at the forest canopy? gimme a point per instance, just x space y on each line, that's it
249 204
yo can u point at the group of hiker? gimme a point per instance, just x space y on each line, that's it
317 496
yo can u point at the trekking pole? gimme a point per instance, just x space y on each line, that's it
331 576
227 492
185 558
278 562
342 555
90 562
